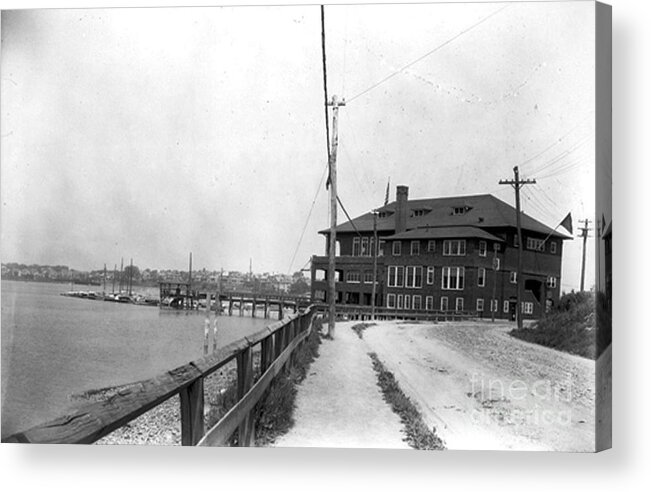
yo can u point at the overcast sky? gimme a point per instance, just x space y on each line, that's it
150 133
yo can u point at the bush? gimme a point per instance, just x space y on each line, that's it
569 326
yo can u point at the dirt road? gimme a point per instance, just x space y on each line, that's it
483 389
339 404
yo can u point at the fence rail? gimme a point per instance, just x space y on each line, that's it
89 422
365 313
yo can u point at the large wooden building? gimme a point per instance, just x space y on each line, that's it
444 254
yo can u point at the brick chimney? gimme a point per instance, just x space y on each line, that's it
402 210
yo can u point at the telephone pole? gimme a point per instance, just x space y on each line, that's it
332 165
375 250
517 183
584 234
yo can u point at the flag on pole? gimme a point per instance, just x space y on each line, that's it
386 195
567 222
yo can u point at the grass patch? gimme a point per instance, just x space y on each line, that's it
569 327
360 327
274 415
419 436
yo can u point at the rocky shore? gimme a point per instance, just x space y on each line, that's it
162 425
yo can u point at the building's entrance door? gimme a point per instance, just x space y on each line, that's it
512 309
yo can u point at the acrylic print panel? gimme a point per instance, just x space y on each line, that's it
368 226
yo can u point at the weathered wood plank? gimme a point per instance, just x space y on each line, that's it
192 413
244 382
92 421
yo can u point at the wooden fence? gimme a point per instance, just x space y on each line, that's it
364 313
89 422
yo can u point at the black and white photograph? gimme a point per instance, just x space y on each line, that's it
366 226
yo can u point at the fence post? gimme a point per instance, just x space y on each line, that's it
192 413
244 382
266 353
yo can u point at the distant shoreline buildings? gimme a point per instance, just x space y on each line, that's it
233 281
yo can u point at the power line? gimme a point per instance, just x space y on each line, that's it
556 142
428 53
300 239
348 216
559 157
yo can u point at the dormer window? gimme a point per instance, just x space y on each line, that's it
461 210
384 214
419 212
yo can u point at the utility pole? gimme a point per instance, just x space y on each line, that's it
332 165
375 250
495 270
517 183
584 234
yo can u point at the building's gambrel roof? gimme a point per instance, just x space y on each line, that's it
483 211
446 232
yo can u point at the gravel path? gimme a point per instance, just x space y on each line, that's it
483 389
339 403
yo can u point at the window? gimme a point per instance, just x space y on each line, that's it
516 242
551 282
527 307
429 303
460 210
416 303
513 277
368 277
356 246
459 304
494 305
414 277
397 247
480 305
353 277
371 247
497 247
552 247
496 264
452 278
444 303
391 301
396 276
407 302
454 247
365 251
506 306
481 277
419 212
381 244
431 246
430 275
482 248
399 301
415 248
535 244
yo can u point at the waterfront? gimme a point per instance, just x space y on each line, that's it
54 347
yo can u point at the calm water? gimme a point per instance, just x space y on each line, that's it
55 346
